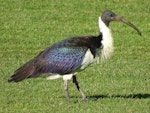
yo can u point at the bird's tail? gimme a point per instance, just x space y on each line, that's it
25 71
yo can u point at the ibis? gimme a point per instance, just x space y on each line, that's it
66 58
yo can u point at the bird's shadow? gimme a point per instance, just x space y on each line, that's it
130 96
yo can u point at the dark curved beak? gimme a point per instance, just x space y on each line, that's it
117 18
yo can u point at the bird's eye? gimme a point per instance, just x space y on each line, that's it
111 15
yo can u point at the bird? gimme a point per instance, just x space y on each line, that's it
66 58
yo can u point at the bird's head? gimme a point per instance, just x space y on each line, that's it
108 16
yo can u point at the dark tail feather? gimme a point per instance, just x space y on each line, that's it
26 71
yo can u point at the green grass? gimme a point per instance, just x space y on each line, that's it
120 84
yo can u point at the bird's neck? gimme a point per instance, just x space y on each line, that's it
107 40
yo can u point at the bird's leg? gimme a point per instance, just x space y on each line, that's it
66 89
77 86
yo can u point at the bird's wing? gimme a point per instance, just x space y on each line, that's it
61 60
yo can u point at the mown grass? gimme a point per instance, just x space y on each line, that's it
120 84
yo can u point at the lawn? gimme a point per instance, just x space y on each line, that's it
120 84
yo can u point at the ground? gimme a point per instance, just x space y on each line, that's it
120 84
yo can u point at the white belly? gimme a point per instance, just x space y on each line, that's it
88 59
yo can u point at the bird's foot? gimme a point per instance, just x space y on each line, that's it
85 99
67 99
89 99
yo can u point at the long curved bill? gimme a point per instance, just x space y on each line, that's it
117 18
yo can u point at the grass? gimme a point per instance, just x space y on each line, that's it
120 84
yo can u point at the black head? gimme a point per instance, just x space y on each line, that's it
108 16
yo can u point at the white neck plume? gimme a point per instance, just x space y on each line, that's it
107 40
